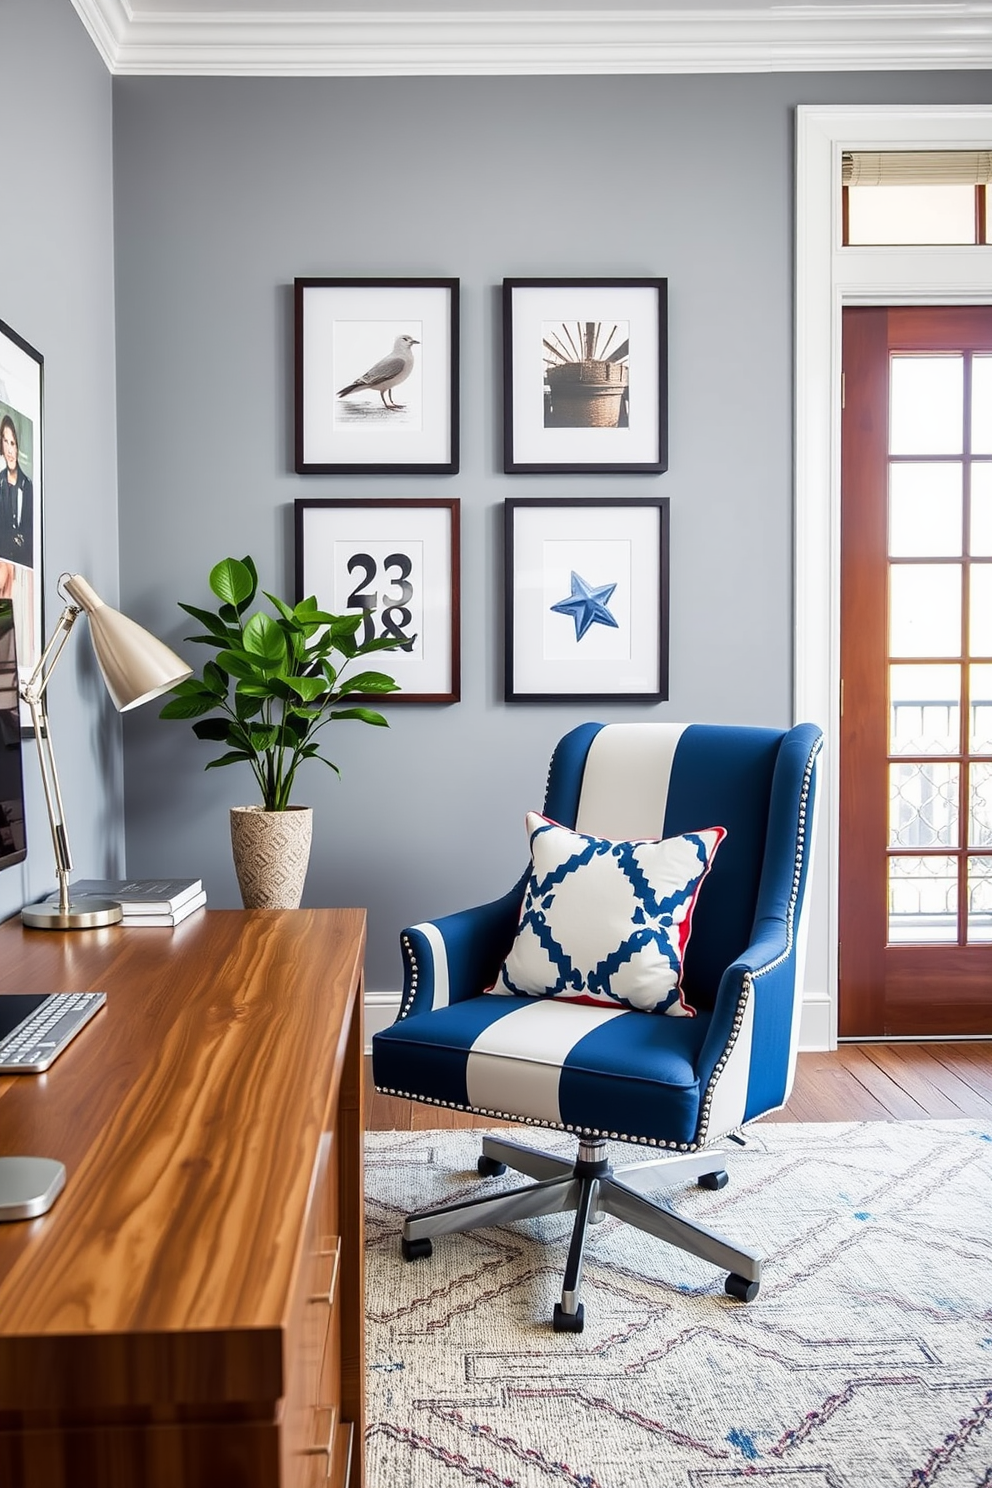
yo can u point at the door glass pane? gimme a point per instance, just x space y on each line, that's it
981 709
926 405
980 806
923 804
981 511
981 609
910 214
925 609
925 510
923 900
980 899
981 404
925 709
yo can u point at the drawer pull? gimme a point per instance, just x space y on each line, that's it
330 1259
324 1448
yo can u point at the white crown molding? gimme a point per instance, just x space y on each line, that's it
769 38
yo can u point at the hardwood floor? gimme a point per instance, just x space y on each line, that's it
858 1082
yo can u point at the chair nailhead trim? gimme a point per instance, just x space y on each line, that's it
748 979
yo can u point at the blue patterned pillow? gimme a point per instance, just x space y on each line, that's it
606 922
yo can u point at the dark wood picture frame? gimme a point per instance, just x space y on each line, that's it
618 608
585 376
407 331
399 563
22 376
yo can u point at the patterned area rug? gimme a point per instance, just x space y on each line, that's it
865 1361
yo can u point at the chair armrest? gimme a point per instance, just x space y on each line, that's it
458 956
752 1023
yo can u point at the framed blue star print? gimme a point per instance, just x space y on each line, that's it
586 606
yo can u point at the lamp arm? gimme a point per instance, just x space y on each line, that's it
33 694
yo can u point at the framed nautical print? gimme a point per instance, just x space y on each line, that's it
586 599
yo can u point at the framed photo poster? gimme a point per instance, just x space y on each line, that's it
376 376
585 375
586 600
397 564
21 379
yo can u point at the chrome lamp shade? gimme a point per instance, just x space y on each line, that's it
136 667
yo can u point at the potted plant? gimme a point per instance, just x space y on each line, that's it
273 684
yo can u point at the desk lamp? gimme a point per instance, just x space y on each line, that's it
136 668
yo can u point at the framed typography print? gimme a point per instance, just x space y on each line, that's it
376 376
397 564
585 379
21 378
586 608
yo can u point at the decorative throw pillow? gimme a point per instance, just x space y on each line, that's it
606 922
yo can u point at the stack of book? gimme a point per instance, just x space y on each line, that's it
145 901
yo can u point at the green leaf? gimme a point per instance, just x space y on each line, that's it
206 640
308 688
264 641
206 617
245 705
188 707
232 581
263 739
371 682
235 756
282 607
215 678
217 730
365 714
238 664
345 625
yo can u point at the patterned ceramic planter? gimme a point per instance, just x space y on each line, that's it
271 854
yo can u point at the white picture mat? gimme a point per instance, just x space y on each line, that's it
20 389
332 535
548 543
532 306
421 311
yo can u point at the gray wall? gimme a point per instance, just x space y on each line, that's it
57 291
228 188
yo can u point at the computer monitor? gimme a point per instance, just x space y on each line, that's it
13 842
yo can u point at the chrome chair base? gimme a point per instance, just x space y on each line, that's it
592 1188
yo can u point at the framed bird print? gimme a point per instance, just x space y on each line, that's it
586 609
396 565
376 376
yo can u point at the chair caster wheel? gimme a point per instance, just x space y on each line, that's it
714 1180
489 1168
741 1288
415 1250
568 1322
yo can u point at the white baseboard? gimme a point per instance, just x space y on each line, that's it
816 1026
380 1010
815 1029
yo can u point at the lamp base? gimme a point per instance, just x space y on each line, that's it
29 1186
82 914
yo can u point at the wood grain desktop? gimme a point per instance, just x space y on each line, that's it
190 1313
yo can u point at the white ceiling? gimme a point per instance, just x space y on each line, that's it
394 37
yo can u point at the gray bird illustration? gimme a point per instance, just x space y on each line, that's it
387 373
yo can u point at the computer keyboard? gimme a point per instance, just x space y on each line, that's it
40 1038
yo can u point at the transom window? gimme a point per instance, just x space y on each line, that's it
929 197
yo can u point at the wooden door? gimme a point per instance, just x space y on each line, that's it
915 897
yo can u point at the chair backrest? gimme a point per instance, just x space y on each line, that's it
659 779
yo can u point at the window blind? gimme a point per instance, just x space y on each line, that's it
916 167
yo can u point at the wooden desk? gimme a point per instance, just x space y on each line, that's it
190 1314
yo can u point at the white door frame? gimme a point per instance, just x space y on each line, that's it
828 277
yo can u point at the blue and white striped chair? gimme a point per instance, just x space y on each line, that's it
611 1074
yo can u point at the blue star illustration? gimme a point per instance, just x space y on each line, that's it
587 605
